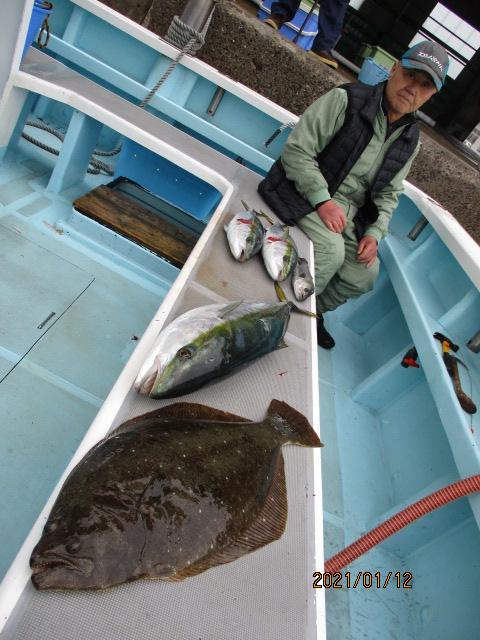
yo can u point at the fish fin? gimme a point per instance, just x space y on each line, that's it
281 344
283 298
301 430
264 215
268 526
181 411
280 292
229 308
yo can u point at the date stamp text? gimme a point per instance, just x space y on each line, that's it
365 579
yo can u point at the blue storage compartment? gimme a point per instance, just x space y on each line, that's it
40 11
372 73
167 181
291 29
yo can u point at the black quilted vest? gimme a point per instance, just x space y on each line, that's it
339 156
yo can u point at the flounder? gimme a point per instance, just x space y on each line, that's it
168 495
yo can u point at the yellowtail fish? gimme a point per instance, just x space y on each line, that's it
302 281
245 235
209 342
279 252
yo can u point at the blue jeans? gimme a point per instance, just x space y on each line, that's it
330 20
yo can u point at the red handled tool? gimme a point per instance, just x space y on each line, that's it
410 359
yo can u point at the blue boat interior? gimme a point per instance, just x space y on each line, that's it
392 434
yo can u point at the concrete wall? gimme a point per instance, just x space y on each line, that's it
244 49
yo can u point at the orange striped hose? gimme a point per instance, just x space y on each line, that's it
402 519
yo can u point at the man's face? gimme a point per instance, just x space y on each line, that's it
408 89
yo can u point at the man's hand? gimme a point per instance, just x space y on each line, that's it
332 215
367 250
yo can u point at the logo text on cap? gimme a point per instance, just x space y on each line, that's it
432 58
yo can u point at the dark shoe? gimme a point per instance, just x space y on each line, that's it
275 22
326 57
324 339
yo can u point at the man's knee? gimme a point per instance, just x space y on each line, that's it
330 250
329 258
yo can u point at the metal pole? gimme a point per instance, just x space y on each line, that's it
417 228
196 13
217 98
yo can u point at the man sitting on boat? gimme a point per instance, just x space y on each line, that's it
342 170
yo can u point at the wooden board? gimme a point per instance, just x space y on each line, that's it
126 217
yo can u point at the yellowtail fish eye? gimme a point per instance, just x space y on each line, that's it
185 353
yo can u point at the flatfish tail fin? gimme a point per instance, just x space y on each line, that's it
292 424
267 526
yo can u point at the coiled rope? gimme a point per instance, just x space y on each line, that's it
181 35
95 165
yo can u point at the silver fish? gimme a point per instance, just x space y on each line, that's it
245 235
302 281
168 495
208 342
279 252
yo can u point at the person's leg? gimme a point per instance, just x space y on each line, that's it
284 10
330 21
352 278
329 255
329 249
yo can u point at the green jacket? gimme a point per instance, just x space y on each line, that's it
315 129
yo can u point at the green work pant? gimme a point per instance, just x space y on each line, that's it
338 274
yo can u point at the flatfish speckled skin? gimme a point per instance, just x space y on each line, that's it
168 495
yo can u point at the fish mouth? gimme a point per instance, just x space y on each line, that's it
52 560
145 383
57 571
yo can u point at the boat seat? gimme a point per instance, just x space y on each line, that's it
95 106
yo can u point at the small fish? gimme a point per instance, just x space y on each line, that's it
245 235
168 495
210 341
279 252
302 281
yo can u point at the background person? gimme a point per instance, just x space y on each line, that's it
342 170
330 22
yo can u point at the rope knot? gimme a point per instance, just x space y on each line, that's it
180 35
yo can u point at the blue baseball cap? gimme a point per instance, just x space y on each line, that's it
430 57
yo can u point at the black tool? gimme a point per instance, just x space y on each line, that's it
410 359
451 361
